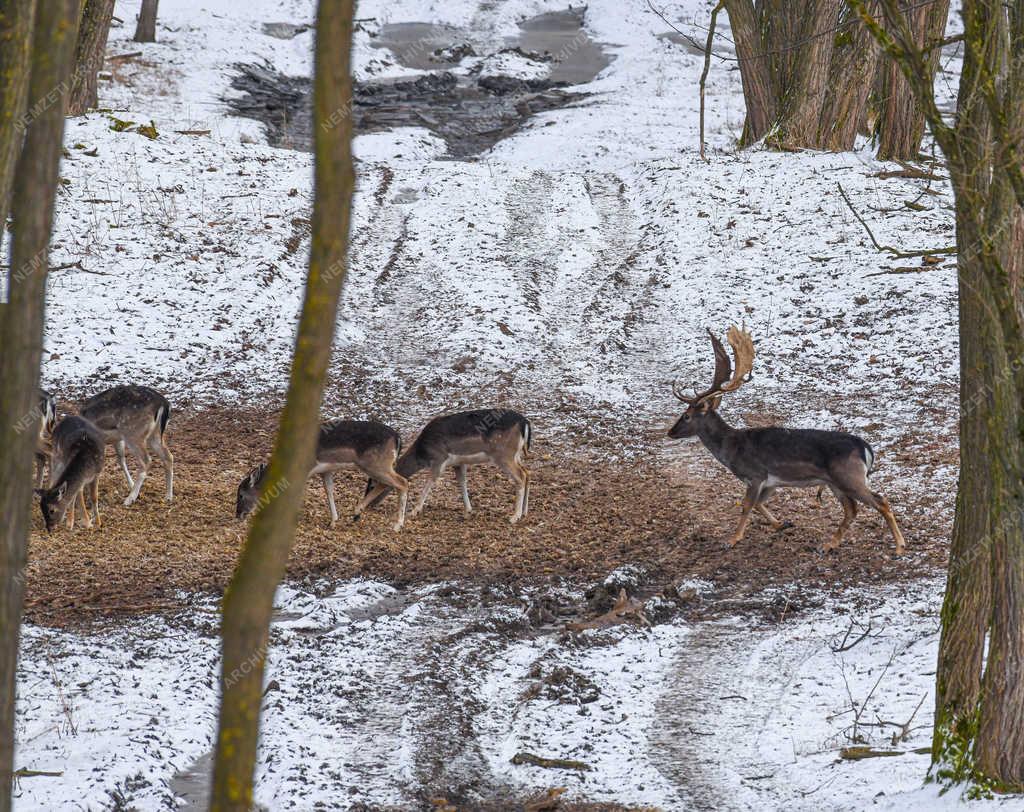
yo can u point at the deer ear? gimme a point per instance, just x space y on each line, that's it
61 490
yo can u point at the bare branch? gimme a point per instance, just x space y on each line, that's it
896 252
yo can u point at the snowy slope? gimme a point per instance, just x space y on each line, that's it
584 255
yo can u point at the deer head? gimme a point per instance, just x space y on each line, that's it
726 379
249 491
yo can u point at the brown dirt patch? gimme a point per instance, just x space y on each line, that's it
588 515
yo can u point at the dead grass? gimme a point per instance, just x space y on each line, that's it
586 518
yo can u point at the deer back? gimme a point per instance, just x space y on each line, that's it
480 432
782 456
345 442
127 411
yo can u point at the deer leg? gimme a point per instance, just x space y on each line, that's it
328 480
860 491
156 444
143 456
40 469
762 508
435 474
460 473
518 474
375 491
95 496
119 448
849 514
85 511
749 500
881 504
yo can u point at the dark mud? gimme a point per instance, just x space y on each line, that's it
469 112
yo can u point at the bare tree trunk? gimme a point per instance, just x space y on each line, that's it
854 65
21 336
804 70
249 599
754 70
145 29
901 119
16 19
92 47
979 728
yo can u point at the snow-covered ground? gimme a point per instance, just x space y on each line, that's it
581 258
386 697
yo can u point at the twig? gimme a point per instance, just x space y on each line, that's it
550 763
860 753
888 248
192 132
24 772
843 646
707 67
122 57
686 36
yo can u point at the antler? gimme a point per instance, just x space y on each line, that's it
726 378
743 350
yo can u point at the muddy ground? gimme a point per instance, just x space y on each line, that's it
665 510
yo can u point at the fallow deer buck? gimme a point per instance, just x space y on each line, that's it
367 445
77 454
770 458
47 422
133 418
498 436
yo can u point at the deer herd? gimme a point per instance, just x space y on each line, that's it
134 420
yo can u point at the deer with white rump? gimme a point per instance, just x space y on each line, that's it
133 418
366 445
770 458
498 436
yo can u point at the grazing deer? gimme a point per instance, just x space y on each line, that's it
367 445
498 436
78 456
133 417
770 458
47 421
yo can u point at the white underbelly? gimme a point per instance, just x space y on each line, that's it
467 459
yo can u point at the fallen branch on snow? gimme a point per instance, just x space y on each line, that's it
550 763
951 249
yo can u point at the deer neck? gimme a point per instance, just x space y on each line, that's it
715 433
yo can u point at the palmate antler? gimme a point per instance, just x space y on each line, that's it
726 378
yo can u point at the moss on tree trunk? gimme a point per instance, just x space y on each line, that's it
249 599
21 336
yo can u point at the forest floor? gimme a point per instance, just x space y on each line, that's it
588 516
563 256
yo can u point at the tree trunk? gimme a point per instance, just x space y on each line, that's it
16 18
249 599
802 69
21 336
92 47
145 29
854 65
901 119
754 70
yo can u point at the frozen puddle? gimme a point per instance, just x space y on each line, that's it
385 697
473 93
